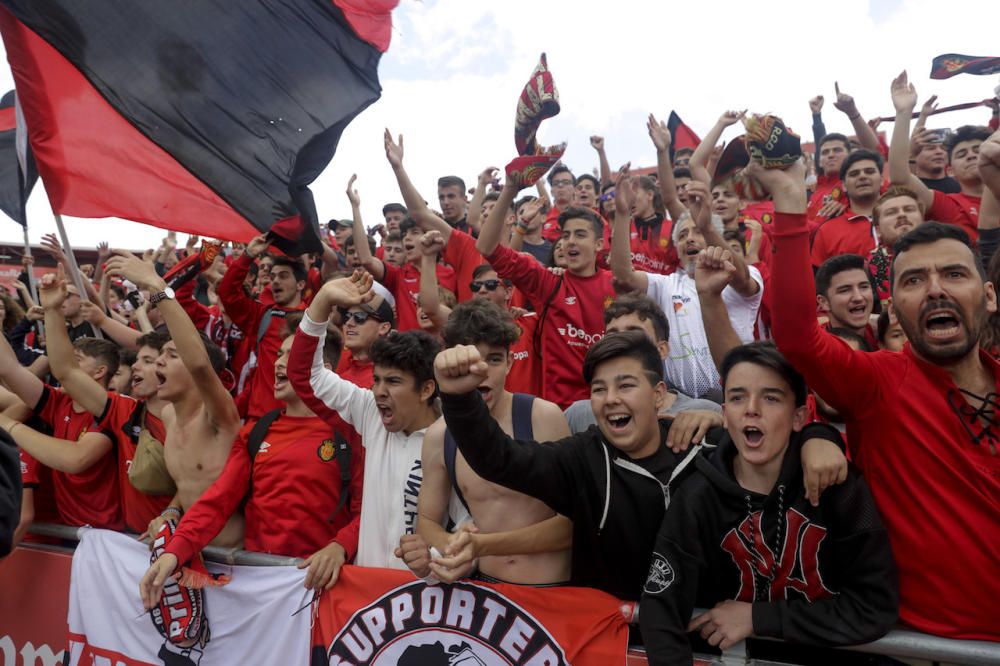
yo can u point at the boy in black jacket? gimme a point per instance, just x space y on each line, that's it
614 480
740 535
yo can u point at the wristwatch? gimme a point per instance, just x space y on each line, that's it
161 295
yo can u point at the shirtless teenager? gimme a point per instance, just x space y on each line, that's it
200 418
538 538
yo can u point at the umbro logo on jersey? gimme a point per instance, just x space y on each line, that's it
571 300
264 446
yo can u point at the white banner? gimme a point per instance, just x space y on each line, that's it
250 618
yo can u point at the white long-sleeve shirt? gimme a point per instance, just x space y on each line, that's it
393 473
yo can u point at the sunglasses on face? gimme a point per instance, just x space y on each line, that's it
359 317
491 285
607 197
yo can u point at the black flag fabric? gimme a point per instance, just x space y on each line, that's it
682 136
209 117
17 166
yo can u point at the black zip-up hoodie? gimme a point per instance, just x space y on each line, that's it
10 491
616 505
815 575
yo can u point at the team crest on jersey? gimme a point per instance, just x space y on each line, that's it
661 575
664 242
835 193
766 218
452 625
326 450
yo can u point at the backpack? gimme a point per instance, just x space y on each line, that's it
520 418
342 455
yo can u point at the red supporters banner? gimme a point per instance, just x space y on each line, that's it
379 617
213 120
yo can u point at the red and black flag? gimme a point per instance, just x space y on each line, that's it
17 167
682 136
948 65
209 117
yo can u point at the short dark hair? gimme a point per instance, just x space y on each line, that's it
409 351
216 357
479 321
393 237
682 172
104 352
965 133
153 340
350 243
860 155
835 266
298 270
644 307
406 225
683 151
119 290
394 208
882 326
491 196
730 235
627 344
931 232
833 136
452 181
577 212
523 200
479 270
558 169
607 186
592 179
848 334
765 355
892 192
126 357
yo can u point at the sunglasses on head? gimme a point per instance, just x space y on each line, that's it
359 317
491 285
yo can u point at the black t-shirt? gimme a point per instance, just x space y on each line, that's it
661 464
948 185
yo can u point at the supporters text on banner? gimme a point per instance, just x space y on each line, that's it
380 617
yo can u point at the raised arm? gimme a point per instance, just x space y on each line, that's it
699 198
415 204
904 99
597 143
371 263
621 251
490 234
660 135
18 378
83 388
866 135
989 209
219 405
699 159
435 491
818 128
474 216
713 272
122 335
431 244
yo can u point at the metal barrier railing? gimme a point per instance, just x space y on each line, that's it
899 643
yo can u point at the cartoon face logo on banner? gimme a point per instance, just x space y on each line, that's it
447 625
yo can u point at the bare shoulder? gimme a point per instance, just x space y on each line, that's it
433 445
548 421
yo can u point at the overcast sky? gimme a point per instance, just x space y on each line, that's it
455 68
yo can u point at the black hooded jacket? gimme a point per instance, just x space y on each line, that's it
615 504
815 575
10 491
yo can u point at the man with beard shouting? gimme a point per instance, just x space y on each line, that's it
921 423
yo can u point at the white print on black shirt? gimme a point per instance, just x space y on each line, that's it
661 575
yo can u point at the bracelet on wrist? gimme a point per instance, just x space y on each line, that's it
171 509
854 117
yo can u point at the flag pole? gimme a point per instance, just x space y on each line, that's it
74 269
29 269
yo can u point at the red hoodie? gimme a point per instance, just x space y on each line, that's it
571 313
937 489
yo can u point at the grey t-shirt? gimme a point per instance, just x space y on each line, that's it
580 416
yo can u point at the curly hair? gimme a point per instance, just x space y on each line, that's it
409 351
480 321
13 313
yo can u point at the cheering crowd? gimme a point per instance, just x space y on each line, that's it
769 393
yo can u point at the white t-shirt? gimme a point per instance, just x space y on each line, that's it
689 367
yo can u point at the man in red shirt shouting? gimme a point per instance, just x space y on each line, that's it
920 422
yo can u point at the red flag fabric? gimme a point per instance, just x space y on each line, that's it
682 136
948 65
382 617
